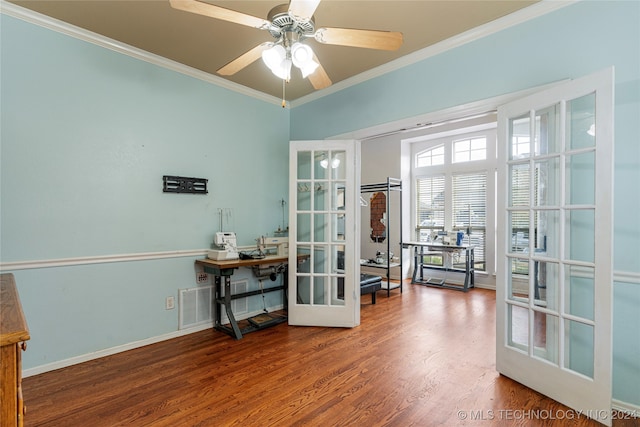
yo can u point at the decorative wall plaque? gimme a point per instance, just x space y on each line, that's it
181 184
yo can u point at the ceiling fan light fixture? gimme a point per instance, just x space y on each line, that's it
335 162
274 56
309 68
289 24
302 57
283 70
277 60
301 54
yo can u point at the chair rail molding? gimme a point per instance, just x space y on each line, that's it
99 259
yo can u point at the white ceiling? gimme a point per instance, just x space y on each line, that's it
206 44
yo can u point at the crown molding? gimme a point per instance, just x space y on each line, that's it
523 15
53 24
536 10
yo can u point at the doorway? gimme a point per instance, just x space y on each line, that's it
400 140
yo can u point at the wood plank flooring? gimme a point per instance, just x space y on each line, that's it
422 358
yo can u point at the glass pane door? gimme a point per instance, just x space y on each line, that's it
323 214
550 337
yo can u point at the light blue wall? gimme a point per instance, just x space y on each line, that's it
571 42
87 135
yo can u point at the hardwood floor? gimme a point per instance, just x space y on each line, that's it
422 358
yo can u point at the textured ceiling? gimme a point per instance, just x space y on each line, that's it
207 44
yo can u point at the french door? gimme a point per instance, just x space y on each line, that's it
324 233
554 279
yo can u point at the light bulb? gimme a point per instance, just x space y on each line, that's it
335 162
309 68
274 56
301 54
283 70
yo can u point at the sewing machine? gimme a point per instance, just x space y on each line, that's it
227 246
281 243
447 237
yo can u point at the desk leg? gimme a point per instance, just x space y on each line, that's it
469 275
418 274
472 267
285 289
417 265
217 316
467 264
227 305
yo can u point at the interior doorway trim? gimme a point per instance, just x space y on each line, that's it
461 112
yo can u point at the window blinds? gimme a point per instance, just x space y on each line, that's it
469 200
469 207
430 202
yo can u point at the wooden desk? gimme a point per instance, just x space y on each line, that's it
419 265
224 269
13 334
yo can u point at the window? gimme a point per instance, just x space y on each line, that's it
469 150
432 157
454 175
519 217
469 200
430 202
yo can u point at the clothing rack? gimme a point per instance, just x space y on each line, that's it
391 185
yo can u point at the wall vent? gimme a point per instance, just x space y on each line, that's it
196 305
241 305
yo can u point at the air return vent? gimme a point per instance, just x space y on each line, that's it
196 305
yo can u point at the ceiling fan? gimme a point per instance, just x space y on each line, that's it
290 25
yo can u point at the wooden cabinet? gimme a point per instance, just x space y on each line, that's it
13 336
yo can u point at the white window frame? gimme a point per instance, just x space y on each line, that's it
449 168
431 156
470 150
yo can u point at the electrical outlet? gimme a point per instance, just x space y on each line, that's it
202 277
170 303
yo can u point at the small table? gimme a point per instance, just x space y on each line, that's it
419 265
225 268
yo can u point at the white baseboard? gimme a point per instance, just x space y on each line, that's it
626 408
110 351
485 286
130 346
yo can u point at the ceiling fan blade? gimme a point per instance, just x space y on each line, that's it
218 12
302 10
370 39
319 78
244 60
